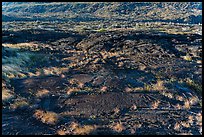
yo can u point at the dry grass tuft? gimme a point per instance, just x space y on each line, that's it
80 84
180 98
187 57
118 127
46 117
147 87
73 81
193 100
195 86
41 93
199 119
159 85
133 107
81 130
155 104
186 104
178 106
84 130
167 94
177 126
185 124
72 90
61 132
116 110
6 95
19 103
190 119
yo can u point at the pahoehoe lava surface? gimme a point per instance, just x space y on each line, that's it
106 78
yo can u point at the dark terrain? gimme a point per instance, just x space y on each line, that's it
112 81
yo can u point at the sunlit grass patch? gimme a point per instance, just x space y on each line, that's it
185 124
199 119
19 104
102 30
159 85
187 104
61 132
118 127
195 86
147 87
84 130
155 104
187 57
41 93
47 117
76 129
6 95
194 100
177 126
20 45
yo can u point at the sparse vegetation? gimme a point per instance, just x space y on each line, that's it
195 86
187 57
177 126
118 127
101 68
41 93
19 104
155 105
46 117
6 95
76 129
159 85
147 87
186 104
102 30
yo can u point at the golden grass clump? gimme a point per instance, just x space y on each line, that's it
159 85
199 119
186 104
193 100
167 94
46 117
155 104
80 85
19 103
84 130
147 87
21 75
116 110
190 119
195 86
177 126
72 90
61 132
6 95
118 127
187 57
185 124
41 93
178 106
73 81
77 129
180 98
